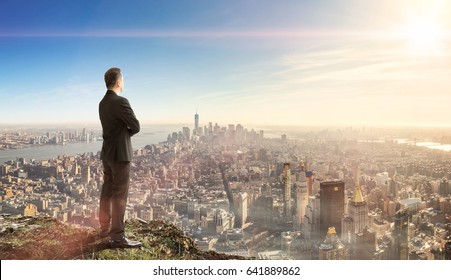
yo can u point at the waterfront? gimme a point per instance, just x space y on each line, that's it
435 146
158 133
148 136
426 144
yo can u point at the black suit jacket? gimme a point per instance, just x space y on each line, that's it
119 124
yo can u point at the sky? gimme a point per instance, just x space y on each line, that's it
253 62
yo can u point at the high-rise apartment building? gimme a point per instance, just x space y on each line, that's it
400 235
310 227
286 179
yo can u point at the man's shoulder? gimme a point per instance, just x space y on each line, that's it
117 97
122 100
113 97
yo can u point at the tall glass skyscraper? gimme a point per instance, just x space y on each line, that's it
332 205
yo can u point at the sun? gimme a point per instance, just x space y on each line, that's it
424 37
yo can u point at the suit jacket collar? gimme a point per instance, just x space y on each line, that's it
110 92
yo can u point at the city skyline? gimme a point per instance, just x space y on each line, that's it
249 62
237 192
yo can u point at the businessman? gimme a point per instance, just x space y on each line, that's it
119 124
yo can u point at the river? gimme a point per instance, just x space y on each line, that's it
426 144
147 136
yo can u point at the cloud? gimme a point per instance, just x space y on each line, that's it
367 82
362 65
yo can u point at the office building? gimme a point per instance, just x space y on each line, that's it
241 205
197 129
356 220
332 204
332 248
301 203
311 224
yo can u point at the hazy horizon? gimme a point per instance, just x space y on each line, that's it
261 63
97 125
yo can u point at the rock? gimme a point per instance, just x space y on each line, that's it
47 238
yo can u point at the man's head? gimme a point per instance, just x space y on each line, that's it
114 80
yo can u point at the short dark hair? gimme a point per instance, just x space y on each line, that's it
112 76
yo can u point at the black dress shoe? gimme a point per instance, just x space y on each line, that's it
125 243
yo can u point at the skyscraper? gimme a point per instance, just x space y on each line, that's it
86 175
263 211
357 216
310 225
332 204
309 178
400 235
240 201
286 179
301 203
186 133
365 245
196 123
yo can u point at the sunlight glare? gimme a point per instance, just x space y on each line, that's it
424 37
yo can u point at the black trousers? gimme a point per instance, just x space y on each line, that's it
113 197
